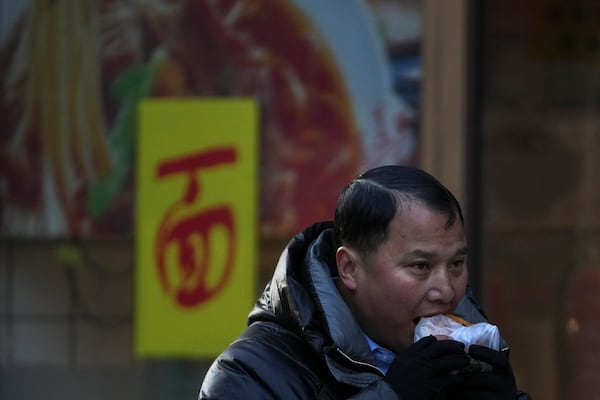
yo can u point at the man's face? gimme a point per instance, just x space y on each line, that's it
419 271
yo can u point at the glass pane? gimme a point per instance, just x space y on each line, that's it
541 250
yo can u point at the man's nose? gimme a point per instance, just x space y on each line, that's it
441 286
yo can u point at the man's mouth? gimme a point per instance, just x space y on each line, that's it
416 320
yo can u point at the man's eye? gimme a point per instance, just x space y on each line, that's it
458 263
421 266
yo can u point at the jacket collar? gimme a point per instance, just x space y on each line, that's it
302 295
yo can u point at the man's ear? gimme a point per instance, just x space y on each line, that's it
347 261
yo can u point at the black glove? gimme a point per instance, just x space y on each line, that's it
425 369
497 384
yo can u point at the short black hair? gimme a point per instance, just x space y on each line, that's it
368 204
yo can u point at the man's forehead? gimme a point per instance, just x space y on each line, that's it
428 253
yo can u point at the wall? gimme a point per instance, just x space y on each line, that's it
66 328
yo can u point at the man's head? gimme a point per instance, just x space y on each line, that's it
368 204
402 251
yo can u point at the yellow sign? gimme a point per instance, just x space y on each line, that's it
196 228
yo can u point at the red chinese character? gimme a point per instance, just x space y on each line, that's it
191 234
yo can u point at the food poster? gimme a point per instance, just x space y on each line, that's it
196 235
337 83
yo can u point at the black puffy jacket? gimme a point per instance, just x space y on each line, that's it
302 341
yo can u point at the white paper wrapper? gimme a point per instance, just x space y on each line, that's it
481 333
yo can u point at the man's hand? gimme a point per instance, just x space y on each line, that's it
424 369
497 384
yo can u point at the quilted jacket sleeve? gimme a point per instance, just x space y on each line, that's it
377 390
227 379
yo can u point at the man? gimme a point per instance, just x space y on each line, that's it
337 319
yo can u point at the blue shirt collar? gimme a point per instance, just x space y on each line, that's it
383 357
